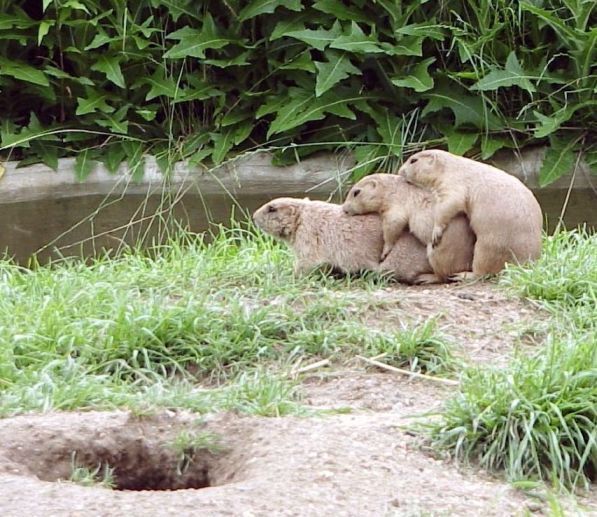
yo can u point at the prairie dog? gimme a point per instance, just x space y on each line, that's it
502 211
403 206
321 233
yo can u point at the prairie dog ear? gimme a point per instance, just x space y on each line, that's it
292 209
428 156
373 183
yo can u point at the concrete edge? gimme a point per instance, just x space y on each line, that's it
248 174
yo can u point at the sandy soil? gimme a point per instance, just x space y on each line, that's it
364 462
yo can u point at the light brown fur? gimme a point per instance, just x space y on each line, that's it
503 212
403 206
321 234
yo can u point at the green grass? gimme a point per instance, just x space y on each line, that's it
187 444
220 326
537 418
101 476
201 326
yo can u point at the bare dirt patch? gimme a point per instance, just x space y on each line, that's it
356 458
336 465
484 322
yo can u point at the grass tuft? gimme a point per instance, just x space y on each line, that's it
189 324
537 417
101 476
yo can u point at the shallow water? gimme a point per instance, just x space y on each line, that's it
86 225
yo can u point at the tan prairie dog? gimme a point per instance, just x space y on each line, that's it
320 233
502 211
404 206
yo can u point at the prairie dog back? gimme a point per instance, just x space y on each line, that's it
503 212
320 233
401 206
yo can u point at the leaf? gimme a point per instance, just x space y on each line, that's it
47 153
319 38
243 131
161 85
148 113
272 104
110 66
240 60
512 75
295 23
303 107
389 127
194 43
566 34
590 157
92 103
45 4
551 124
43 29
467 109
34 130
367 158
258 7
198 91
333 71
23 72
101 38
113 157
52 71
357 42
559 160
424 29
75 4
83 165
419 79
16 21
134 158
115 122
491 144
198 157
301 61
407 46
223 142
342 11
459 142
141 43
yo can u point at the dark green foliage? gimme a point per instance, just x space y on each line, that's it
108 80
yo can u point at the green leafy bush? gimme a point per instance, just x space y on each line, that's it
108 80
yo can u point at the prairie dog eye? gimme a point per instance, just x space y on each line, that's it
413 160
356 192
271 209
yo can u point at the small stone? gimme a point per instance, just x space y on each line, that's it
534 507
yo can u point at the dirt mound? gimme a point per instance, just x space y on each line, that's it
336 465
357 458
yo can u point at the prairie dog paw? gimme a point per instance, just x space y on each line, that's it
436 236
427 279
464 276
385 252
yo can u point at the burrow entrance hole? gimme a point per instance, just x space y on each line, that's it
126 459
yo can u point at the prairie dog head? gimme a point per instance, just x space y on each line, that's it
423 168
279 217
366 196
